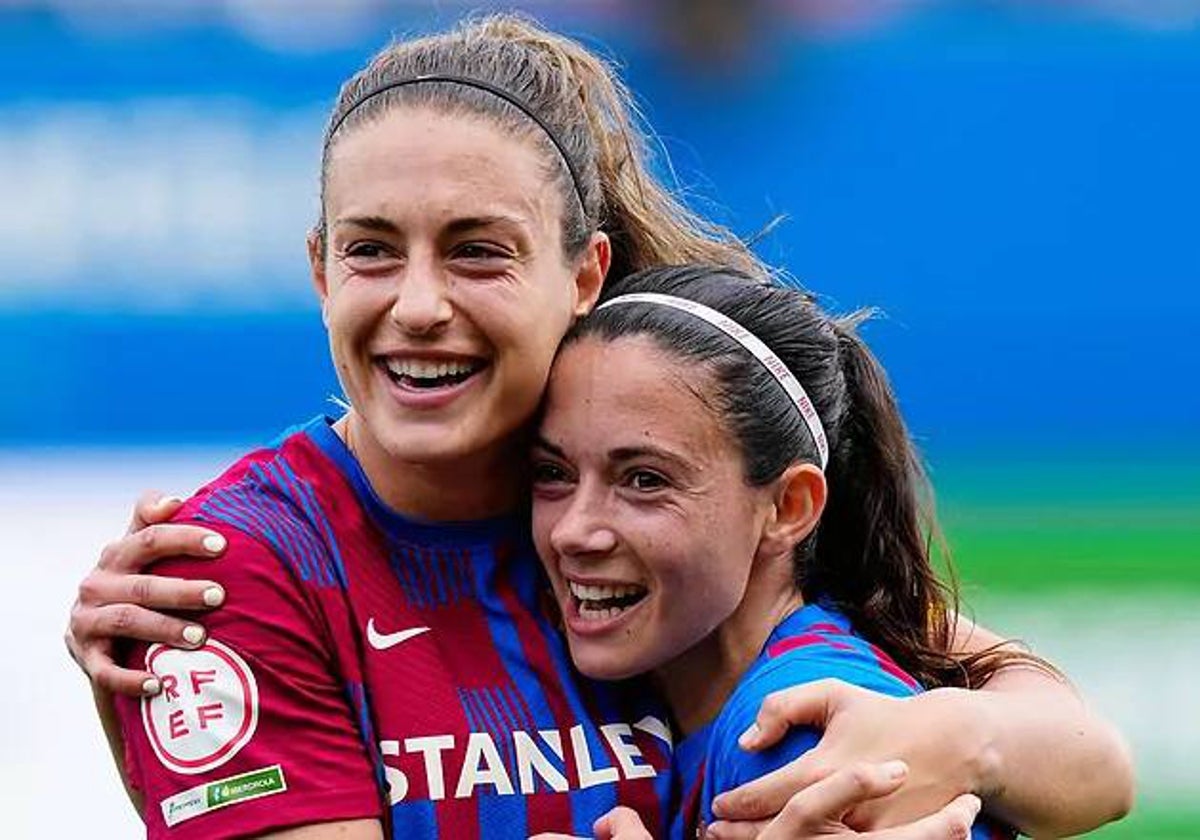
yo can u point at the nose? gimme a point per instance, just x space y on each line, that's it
584 528
422 305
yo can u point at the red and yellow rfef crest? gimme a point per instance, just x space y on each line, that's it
207 709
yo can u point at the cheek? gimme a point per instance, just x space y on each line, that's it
532 319
706 595
525 347
543 519
349 310
703 585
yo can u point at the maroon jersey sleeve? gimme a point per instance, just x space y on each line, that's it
253 732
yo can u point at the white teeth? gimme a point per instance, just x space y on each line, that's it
594 601
586 610
423 369
586 592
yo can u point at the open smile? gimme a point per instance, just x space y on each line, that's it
600 607
429 382
429 374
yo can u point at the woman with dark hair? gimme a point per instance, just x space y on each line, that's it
725 496
381 662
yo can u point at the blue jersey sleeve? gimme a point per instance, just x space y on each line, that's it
729 765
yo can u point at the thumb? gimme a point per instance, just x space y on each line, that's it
620 823
152 508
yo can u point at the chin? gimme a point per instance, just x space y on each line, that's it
418 443
604 666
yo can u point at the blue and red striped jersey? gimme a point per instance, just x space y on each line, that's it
366 665
813 643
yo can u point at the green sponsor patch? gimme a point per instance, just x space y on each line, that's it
246 786
213 795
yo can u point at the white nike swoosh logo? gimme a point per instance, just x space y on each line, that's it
383 641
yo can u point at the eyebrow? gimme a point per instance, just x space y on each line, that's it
541 443
630 453
476 222
385 225
622 453
377 223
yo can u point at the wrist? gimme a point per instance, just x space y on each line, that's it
972 722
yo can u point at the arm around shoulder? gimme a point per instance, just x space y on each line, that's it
252 731
1049 764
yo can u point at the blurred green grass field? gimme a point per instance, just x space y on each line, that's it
1087 534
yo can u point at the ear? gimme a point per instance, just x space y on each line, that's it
798 499
593 268
315 243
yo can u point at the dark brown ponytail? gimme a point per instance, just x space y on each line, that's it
872 549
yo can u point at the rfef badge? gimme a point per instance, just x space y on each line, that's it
207 709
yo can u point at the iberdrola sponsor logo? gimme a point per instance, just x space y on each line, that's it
245 786
222 793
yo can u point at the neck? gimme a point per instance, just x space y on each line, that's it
476 486
697 683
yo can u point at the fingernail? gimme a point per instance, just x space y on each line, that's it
169 501
976 805
151 687
894 769
750 736
214 596
193 634
213 543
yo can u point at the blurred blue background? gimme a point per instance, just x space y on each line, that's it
1013 183
1015 187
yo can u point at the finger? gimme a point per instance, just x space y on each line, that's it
827 801
764 797
73 647
953 822
107 675
162 593
135 551
810 704
621 823
153 507
96 626
746 830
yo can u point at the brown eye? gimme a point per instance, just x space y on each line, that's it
478 251
365 250
481 259
646 480
549 473
369 257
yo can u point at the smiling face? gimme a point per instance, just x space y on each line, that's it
641 513
443 285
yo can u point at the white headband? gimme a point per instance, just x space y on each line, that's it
755 346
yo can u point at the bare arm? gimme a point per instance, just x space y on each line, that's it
107 713
1054 766
116 601
816 813
300 708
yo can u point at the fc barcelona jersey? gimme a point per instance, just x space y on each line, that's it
366 665
813 643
